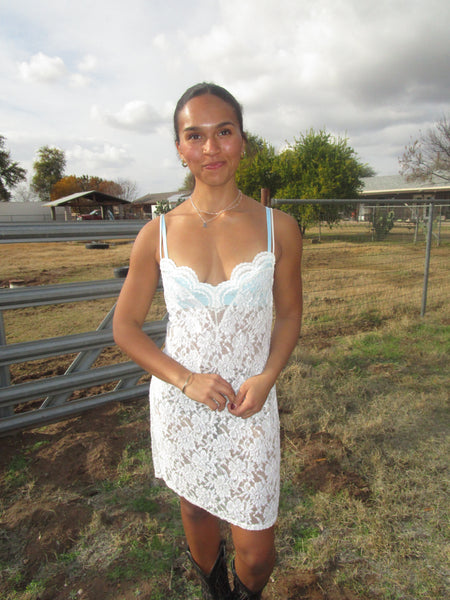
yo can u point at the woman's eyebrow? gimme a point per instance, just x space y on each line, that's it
210 125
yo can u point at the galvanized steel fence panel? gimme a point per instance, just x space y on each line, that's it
48 399
331 294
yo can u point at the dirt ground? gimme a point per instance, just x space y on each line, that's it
66 463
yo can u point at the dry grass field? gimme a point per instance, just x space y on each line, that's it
364 417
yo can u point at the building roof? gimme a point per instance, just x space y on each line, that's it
161 197
398 183
93 195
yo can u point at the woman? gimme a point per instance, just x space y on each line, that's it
225 261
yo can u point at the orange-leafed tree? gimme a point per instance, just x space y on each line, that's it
65 187
71 184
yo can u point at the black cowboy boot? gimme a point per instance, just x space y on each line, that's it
215 586
241 592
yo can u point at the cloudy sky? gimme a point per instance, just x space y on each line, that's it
100 78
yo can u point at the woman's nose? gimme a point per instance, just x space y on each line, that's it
210 146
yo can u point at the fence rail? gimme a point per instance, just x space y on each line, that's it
403 275
46 400
66 232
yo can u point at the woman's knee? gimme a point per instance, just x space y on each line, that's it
192 512
256 558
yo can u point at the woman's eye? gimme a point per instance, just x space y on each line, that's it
225 132
193 136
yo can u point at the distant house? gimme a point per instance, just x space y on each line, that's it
148 202
398 188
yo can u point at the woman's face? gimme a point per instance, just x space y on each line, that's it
210 140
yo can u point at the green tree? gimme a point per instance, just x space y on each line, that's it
318 166
257 168
429 155
48 169
10 172
382 222
188 182
162 207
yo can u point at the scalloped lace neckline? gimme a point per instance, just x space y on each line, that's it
234 273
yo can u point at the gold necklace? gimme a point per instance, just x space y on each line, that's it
233 204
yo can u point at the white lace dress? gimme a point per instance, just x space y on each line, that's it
225 464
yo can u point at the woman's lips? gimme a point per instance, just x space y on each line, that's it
214 165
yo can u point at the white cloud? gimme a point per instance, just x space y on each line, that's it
78 80
43 68
160 42
376 72
99 156
136 115
88 63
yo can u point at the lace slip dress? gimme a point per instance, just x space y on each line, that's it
225 464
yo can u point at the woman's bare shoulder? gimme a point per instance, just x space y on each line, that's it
180 210
284 220
288 238
147 239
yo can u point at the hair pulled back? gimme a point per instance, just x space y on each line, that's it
199 89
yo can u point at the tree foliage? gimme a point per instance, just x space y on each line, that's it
429 154
382 222
10 172
316 166
257 168
188 182
162 207
129 189
319 166
48 169
71 184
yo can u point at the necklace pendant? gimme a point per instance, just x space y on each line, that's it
205 224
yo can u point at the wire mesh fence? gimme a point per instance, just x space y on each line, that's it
356 272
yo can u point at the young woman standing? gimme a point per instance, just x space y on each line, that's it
228 265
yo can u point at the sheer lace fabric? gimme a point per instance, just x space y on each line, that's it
225 464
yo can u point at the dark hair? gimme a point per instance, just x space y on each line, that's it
199 89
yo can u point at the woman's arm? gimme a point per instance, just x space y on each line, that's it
132 307
288 304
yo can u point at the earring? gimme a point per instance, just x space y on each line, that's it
183 163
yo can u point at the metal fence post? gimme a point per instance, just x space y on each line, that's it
427 259
5 380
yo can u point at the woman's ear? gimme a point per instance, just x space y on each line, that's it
244 146
183 162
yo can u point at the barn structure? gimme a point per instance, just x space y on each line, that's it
82 204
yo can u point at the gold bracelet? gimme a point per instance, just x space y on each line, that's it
188 380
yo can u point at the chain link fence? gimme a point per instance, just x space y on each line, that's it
380 261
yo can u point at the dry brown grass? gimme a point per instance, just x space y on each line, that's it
384 395
62 262
364 416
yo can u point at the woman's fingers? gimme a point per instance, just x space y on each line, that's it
211 390
250 397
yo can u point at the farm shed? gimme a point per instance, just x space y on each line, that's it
84 202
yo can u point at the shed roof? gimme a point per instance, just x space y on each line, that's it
94 195
160 197
398 183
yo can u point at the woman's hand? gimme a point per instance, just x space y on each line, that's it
251 397
211 390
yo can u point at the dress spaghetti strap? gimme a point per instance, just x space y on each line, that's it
163 238
270 230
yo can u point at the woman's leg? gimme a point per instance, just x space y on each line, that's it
255 556
202 534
